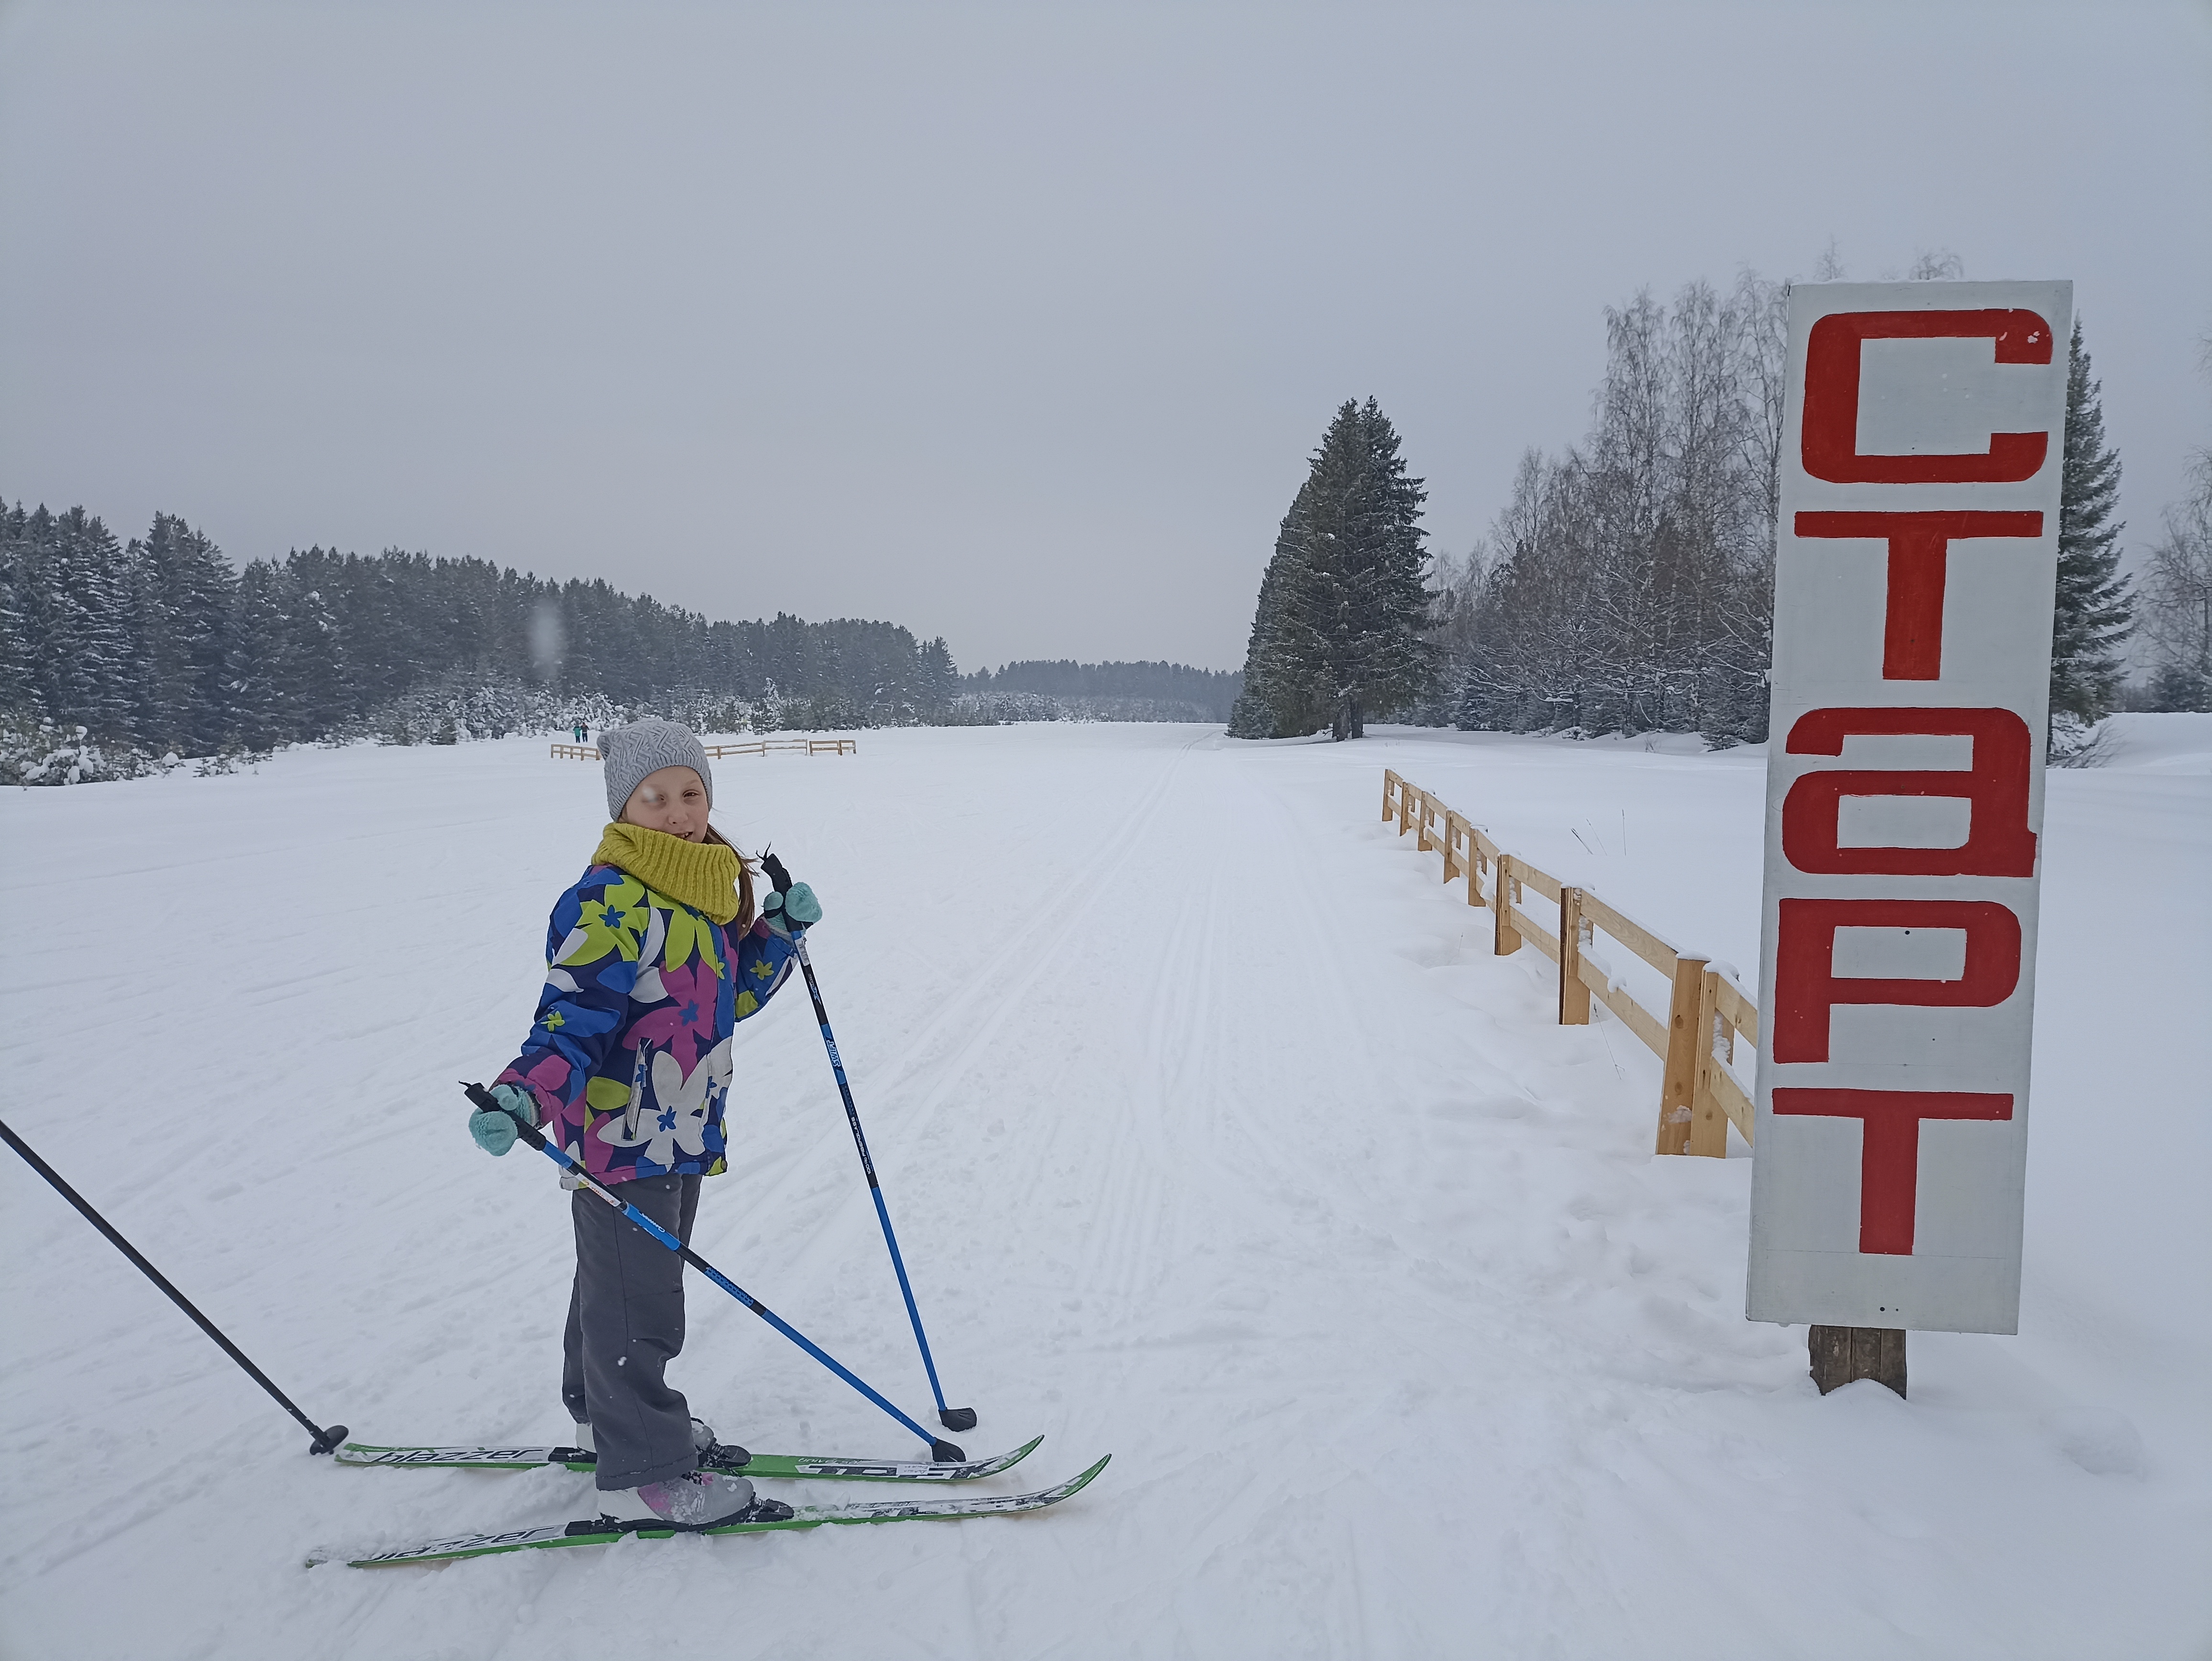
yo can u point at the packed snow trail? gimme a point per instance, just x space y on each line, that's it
1218 1141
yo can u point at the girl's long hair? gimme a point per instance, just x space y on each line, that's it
744 917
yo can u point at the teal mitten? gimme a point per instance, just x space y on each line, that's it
494 1131
795 908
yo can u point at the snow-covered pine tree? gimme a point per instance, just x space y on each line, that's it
18 693
254 674
138 608
184 653
1275 702
1339 629
937 680
1355 602
312 687
73 616
2094 612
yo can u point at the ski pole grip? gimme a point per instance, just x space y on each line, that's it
779 876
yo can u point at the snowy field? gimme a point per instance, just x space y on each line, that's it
1218 1140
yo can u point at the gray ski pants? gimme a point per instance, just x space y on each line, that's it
625 1325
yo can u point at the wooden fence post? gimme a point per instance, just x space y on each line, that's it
1503 891
1688 1031
1699 1096
1574 933
1841 1355
1708 1119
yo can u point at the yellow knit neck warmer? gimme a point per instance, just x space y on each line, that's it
703 875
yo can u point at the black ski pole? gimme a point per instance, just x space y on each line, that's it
325 1439
939 1449
951 1418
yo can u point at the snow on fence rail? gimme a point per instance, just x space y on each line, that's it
716 751
1698 1097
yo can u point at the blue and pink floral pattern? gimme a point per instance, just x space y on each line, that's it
630 1053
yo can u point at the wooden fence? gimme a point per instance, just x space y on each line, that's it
802 746
716 751
1698 1097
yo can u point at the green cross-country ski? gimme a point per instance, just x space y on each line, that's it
772 1467
602 1532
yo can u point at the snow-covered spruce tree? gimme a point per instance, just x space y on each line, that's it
313 688
938 679
189 585
255 672
68 582
1340 630
18 686
1275 702
2094 611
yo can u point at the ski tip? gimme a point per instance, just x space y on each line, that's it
1081 1480
1026 1450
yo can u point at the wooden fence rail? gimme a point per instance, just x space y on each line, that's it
801 746
716 751
1695 1040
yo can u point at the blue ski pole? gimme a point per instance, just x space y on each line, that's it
951 1418
939 1448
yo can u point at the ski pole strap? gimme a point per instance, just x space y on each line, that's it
778 874
483 1099
324 1441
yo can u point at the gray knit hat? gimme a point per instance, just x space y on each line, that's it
646 747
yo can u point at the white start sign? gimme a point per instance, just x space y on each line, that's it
1915 568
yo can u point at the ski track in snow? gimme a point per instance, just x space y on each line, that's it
1215 1139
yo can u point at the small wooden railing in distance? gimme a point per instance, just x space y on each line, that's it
798 746
716 751
1698 1097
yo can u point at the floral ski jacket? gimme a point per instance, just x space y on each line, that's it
629 1055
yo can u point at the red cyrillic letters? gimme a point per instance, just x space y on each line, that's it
1806 987
1998 842
1891 964
1889 1155
1830 433
1919 550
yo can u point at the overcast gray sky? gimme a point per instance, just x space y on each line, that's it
1011 323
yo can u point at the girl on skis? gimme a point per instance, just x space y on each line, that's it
652 956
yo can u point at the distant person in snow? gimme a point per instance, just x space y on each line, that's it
652 957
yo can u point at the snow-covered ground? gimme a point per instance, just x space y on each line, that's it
1218 1140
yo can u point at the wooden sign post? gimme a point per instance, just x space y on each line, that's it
1916 561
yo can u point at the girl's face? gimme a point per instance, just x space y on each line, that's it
673 800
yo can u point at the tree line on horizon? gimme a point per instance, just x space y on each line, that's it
1211 691
1628 582
159 645
115 655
